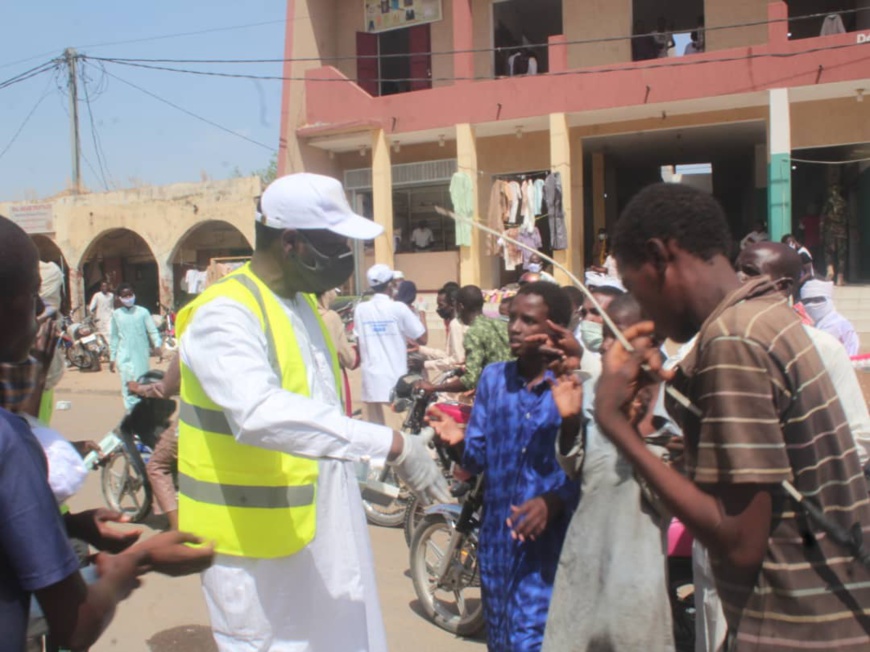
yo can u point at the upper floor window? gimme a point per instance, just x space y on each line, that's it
667 29
522 29
811 18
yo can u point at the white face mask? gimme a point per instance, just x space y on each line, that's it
128 302
818 311
602 236
592 334
535 268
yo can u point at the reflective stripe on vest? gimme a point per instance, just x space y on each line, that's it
253 502
239 496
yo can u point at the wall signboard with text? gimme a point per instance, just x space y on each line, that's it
385 15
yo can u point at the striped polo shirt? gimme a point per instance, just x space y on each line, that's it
770 413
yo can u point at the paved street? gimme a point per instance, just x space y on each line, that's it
169 615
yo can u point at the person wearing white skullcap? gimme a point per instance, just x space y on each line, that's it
382 328
818 299
266 452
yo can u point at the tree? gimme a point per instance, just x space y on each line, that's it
270 172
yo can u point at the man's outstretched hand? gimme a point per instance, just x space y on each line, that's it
93 527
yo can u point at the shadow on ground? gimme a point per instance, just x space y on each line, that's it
187 638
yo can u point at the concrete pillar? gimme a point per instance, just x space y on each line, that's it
777 26
562 161
470 258
599 207
779 171
382 196
463 41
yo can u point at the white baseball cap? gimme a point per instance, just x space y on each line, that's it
379 274
313 201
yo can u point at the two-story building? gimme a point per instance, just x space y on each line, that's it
756 101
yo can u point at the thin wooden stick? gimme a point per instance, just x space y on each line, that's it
674 393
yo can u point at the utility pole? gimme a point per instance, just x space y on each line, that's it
71 61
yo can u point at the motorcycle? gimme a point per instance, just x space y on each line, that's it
445 566
681 589
83 345
127 449
403 398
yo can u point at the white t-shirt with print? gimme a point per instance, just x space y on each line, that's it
382 327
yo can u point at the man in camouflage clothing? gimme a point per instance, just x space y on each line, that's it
835 232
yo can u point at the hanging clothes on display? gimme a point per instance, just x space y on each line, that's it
553 199
528 206
497 215
533 240
513 255
462 196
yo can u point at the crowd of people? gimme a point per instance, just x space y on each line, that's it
589 436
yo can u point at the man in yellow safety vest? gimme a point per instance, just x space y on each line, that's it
266 452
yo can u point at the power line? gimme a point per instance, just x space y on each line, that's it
666 63
434 53
190 113
24 123
100 157
29 74
152 38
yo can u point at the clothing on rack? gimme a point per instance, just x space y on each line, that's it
533 240
194 281
553 199
539 196
515 192
513 255
832 24
462 197
528 206
495 216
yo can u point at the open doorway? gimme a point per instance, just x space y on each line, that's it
811 18
396 61
522 29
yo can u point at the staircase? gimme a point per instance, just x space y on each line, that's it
853 302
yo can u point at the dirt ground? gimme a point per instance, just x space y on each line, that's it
169 615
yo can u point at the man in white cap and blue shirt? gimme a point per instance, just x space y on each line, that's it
382 328
266 453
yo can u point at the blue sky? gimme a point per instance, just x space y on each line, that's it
144 141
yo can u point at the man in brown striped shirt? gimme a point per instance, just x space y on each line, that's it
766 413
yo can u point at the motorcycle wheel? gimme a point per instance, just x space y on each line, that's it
391 515
454 604
681 591
95 364
415 511
125 485
78 357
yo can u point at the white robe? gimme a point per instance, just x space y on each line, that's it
324 597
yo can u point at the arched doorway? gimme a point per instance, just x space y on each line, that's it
193 253
122 256
49 252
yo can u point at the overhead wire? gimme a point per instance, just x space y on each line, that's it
29 74
665 63
97 149
24 122
486 50
190 113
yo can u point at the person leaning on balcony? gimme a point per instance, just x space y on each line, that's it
266 453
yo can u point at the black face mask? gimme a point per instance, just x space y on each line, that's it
445 313
323 273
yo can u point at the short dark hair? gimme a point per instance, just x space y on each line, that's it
471 297
450 292
625 303
406 292
575 295
788 236
558 304
264 236
124 286
671 211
